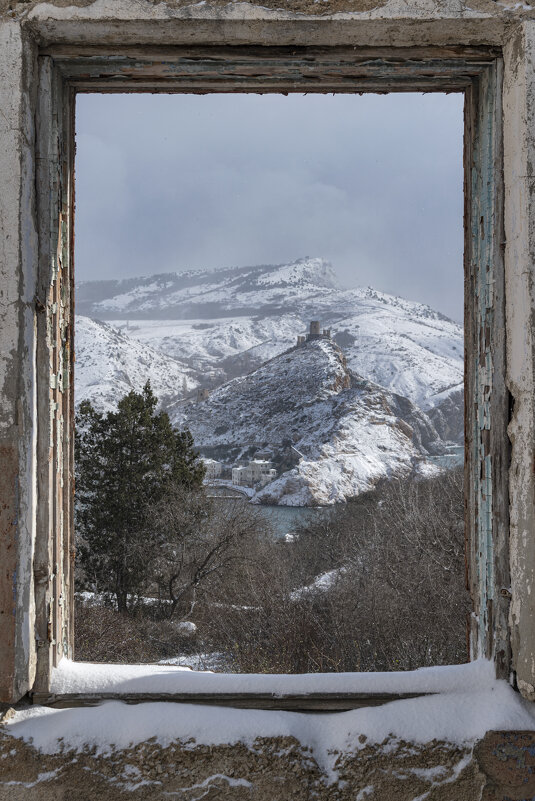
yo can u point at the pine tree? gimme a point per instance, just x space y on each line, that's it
126 461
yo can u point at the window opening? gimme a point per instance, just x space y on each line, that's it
325 388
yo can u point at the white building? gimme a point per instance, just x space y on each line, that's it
258 471
213 468
267 477
239 476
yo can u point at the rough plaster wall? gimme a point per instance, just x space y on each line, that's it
270 769
274 769
389 22
519 167
18 256
362 22
423 9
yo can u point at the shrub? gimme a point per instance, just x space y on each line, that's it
393 597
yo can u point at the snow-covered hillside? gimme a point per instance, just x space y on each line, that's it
109 364
376 400
226 345
346 432
225 323
402 345
262 289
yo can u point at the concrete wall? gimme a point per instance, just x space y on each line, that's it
519 170
18 256
27 25
497 768
365 23
275 769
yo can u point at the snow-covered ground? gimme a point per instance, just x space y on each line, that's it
89 677
202 342
211 661
321 584
403 346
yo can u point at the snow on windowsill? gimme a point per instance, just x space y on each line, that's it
88 677
468 703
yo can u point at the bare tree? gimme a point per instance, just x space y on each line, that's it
374 584
196 543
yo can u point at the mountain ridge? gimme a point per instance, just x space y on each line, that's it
349 432
139 297
226 323
400 363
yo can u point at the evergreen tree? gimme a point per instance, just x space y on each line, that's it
126 461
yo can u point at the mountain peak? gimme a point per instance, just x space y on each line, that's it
307 271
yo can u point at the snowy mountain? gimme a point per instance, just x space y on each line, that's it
109 364
375 400
403 346
228 322
203 294
344 432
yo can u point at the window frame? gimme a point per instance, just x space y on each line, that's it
65 70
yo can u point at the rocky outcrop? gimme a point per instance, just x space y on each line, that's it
348 432
448 417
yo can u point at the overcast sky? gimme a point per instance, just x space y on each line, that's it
371 183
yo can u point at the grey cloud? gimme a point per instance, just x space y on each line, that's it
372 183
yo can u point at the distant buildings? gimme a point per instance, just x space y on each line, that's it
213 468
258 472
315 332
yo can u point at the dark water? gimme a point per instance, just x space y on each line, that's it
283 519
286 519
452 458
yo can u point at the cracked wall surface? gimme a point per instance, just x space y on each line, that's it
18 249
387 22
497 767
519 161
434 771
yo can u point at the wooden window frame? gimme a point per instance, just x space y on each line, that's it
63 71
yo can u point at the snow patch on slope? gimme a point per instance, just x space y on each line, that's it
200 341
305 272
109 364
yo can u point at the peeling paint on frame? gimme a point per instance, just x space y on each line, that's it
487 446
306 69
64 69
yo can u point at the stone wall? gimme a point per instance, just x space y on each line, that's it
271 769
497 768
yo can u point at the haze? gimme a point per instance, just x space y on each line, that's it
372 183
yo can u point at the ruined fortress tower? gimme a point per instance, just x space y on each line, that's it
315 332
